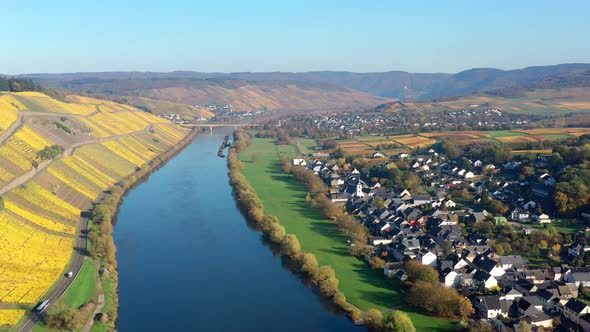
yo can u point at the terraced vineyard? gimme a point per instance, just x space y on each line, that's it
43 197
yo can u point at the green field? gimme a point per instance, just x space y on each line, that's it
504 133
561 226
283 197
83 289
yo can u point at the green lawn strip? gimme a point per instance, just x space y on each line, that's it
504 133
556 136
108 287
283 197
83 289
99 327
424 322
561 226
306 145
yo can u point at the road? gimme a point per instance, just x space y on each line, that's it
64 283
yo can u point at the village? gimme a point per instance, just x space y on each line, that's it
476 117
436 225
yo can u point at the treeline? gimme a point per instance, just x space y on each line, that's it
12 84
283 136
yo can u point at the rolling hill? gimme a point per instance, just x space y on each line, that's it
561 95
391 84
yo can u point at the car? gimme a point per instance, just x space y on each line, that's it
69 274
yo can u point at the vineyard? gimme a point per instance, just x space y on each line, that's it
43 195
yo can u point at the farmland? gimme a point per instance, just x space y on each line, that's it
367 145
43 197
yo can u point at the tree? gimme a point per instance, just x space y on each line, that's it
416 271
329 286
62 317
290 246
373 319
376 263
378 202
309 264
398 321
465 308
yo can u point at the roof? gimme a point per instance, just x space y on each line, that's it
545 295
492 302
576 305
486 264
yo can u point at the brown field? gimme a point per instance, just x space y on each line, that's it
548 151
367 145
413 141
545 131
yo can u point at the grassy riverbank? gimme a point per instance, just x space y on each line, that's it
283 197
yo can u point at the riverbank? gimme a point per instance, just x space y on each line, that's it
282 196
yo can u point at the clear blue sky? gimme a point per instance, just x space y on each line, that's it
290 35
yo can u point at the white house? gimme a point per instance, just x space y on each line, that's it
477 163
450 204
484 278
574 309
519 215
378 155
299 162
452 279
542 219
578 278
489 307
469 175
427 258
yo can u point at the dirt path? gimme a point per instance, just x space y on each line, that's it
8 132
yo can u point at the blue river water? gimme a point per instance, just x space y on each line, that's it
188 261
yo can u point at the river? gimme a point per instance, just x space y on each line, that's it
189 261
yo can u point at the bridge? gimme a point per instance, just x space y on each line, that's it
217 125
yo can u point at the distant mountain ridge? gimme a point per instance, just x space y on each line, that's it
392 84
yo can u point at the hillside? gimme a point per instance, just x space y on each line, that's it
554 96
391 84
242 94
56 158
